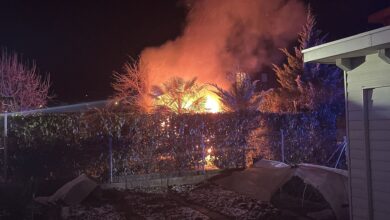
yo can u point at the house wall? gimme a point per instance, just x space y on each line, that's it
369 151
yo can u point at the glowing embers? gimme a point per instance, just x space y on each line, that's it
209 160
165 123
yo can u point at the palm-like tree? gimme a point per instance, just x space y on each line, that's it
241 96
179 96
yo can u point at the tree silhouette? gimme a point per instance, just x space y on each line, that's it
21 84
179 96
132 88
304 86
241 96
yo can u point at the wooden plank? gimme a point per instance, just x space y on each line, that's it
357 156
380 96
370 84
356 143
359 202
354 106
379 196
359 207
370 74
359 183
355 115
381 215
356 139
356 81
378 155
356 134
380 144
381 207
381 79
355 96
379 124
366 71
358 216
382 114
379 135
356 125
357 153
380 165
358 163
358 173
359 192
381 186
381 176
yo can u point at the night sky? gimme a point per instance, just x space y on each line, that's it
80 43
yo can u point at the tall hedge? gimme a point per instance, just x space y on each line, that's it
64 145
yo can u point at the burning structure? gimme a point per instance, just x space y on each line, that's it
218 39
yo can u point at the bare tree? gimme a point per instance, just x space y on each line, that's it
21 84
132 88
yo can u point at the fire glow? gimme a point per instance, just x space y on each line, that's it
220 36
212 104
181 101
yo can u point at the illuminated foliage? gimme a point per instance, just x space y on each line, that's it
21 84
132 88
305 86
179 96
71 143
241 96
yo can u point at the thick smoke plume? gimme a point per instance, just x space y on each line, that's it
224 36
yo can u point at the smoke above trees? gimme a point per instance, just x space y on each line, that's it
221 37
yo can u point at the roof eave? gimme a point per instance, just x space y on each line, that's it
358 45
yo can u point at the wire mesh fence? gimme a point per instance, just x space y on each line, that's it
107 145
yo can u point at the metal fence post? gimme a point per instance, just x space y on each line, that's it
5 146
110 155
282 143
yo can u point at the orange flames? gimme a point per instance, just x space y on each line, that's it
222 37
212 104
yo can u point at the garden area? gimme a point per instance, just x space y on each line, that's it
47 150
179 149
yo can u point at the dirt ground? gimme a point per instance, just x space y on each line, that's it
207 201
204 201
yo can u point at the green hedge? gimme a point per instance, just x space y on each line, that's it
63 145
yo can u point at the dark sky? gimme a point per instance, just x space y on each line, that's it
80 43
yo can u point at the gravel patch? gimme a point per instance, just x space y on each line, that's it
230 203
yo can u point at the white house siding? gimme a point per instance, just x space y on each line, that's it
374 73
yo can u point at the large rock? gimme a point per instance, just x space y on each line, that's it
71 193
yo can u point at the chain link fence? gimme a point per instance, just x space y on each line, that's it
107 145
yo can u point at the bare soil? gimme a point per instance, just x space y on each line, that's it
204 201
